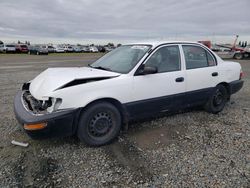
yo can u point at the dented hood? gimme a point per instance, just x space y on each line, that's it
55 78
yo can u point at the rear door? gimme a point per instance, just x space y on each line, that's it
161 91
202 74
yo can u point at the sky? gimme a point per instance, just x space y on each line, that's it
123 21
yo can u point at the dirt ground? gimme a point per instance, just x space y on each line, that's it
191 149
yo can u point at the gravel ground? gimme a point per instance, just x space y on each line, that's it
191 149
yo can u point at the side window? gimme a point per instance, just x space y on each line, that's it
197 57
166 59
210 59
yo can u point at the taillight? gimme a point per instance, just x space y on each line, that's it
241 74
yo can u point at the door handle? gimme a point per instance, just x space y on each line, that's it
180 79
215 74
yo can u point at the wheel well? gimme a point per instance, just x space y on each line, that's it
226 85
116 103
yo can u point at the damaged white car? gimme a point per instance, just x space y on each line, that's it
133 81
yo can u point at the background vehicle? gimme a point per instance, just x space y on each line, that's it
225 53
38 50
85 49
239 52
108 49
93 49
59 49
50 48
68 49
9 48
1 46
22 48
207 43
101 49
77 49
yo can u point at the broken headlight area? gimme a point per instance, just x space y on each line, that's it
40 106
26 86
34 105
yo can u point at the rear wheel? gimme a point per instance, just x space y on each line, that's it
246 55
238 56
99 124
217 100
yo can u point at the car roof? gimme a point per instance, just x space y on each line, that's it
157 43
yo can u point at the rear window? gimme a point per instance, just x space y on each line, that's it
10 45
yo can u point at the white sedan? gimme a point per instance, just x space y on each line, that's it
59 49
133 81
93 49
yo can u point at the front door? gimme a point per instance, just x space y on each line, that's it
163 90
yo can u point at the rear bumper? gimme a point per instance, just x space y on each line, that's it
235 86
59 123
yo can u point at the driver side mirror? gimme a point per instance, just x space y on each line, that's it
148 70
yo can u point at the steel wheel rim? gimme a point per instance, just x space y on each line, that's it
100 125
218 98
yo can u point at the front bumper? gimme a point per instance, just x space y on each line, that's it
61 123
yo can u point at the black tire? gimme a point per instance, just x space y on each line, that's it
246 55
99 124
238 56
217 100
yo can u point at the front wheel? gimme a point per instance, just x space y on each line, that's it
99 124
217 100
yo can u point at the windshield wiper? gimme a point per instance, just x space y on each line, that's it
102 68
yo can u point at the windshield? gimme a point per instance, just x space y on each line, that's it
122 59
